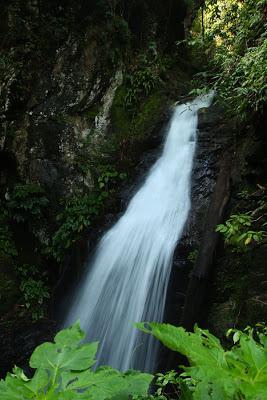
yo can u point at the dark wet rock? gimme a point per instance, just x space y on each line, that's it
214 137
19 339
225 288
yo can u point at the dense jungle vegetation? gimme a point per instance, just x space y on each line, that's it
232 35
226 45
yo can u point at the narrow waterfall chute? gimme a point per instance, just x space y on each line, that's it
127 279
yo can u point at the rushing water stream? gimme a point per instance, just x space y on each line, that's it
127 279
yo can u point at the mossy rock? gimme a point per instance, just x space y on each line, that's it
142 121
148 115
120 117
92 112
132 130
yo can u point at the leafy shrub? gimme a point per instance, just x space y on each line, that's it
234 42
108 177
80 211
64 371
115 39
236 231
141 83
192 256
7 246
27 201
34 290
30 281
215 373
243 80
143 78
170 383
77 215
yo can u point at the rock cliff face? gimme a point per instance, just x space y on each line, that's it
237 289
214 137
211 284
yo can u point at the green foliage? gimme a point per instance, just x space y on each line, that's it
7 246
214 373
26 202
144 78
108 177
235 44
142 82
237 233
80 211
64 371
77 215
131 129
192 256
34 291
145 119
115 38
244 81
170 384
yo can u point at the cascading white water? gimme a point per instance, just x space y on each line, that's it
128 278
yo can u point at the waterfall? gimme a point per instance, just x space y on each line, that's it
127 279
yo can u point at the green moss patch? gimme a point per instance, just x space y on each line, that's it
148 115
120 117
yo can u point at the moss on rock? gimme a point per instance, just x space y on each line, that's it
148 114
120 118
131 129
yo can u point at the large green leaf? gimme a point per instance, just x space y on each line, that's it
52 356
63 373
106 379
70 337
199 347
14 389
39 382
136 383
107 382
66 353
218 374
